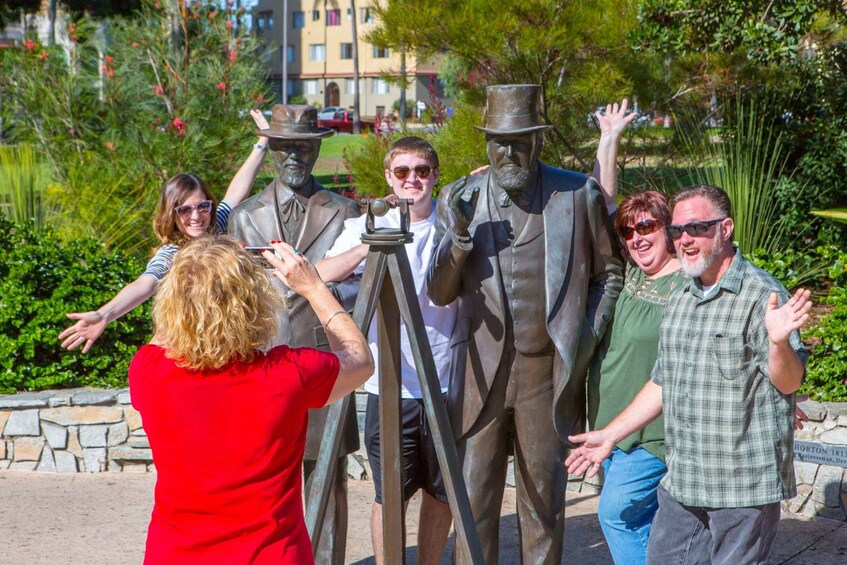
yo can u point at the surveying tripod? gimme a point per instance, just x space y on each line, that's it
388 289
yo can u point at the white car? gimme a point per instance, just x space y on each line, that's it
328 113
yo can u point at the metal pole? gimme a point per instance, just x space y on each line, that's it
285 51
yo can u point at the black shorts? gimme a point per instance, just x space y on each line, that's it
420 462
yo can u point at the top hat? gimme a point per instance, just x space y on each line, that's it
294 122
512 109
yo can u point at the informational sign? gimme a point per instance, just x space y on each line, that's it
821 453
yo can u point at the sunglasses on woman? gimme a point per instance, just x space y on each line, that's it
421 171
185 211
644 227
693 229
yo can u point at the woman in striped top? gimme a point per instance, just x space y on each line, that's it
186 209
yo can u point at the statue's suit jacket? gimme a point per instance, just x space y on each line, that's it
583 277
256 222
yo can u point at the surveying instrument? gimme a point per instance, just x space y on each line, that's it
387 289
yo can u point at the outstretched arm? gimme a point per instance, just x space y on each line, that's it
242 182
90 325
338 268
612 124
597 445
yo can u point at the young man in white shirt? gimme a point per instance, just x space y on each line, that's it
411 170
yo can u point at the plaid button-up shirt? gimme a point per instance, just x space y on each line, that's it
729 433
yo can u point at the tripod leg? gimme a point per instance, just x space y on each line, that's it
366 303
391 451
448 458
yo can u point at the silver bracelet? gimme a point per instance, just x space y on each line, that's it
331 316
261 147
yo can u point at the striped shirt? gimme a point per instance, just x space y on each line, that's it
729 433
162 260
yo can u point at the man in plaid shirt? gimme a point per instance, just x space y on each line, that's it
729 363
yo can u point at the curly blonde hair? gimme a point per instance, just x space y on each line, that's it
215 306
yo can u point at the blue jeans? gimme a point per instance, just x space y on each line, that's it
628 502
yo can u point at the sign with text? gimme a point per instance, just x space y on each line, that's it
812 452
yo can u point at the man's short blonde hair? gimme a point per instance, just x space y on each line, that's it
414 145
216 305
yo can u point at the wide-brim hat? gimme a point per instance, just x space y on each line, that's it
513 109
289 121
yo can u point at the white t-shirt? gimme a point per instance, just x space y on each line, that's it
438 320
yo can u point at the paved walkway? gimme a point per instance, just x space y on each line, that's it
53 519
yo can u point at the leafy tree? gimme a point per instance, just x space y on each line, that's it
10 10
117 114
576 50
766 30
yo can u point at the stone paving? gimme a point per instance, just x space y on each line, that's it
51 518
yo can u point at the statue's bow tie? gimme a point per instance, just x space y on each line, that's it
292 209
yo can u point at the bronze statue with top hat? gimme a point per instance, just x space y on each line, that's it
528 251
296 209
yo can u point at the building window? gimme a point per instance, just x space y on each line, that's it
317 52
291 53
316 15
264 22
310 86
298 20
367 16
346 50
349 13
350 84
333 17
381 53
380 86
292 85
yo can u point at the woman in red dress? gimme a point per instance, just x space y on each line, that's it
226 421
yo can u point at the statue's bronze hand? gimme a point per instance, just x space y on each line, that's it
462 206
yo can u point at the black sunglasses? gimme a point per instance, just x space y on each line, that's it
422 171
693 229
644 227
185 211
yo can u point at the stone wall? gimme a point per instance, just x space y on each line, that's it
72 431
89 430
821 489
86 430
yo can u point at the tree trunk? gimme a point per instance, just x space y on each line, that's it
51 30
403 88
357 120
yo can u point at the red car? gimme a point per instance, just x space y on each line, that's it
343 122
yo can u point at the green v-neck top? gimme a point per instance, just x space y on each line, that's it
626 355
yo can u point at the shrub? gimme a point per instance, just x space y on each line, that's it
827 368
795 268
23 183
42 279
119 106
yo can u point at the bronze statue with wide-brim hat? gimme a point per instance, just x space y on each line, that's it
294 121
529 254
296 209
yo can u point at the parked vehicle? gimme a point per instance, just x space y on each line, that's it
328 113
343 122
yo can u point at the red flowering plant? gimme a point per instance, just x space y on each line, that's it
122 118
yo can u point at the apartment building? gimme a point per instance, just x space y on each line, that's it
319 52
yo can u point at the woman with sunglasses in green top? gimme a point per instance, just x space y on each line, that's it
628 351
186 211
